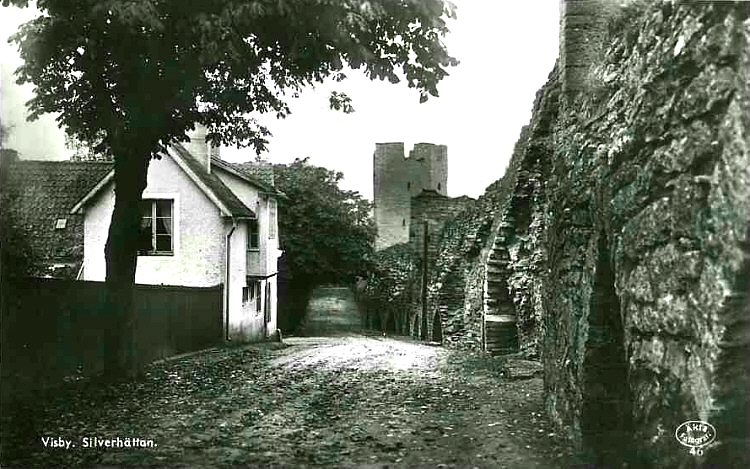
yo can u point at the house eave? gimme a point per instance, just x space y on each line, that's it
225 212
78 207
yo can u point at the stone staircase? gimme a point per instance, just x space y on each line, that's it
500 330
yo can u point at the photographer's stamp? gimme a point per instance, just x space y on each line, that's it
695 434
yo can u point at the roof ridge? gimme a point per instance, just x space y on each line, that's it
245 175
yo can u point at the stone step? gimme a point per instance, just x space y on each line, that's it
498 269
498 293
498 262
501 334
498 303
497 289
496 280
499 318
499 298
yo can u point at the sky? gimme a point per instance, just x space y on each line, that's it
506 51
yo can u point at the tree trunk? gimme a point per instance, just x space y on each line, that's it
121 254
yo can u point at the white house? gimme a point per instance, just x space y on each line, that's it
204 222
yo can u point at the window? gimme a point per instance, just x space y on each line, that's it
156 228
408 186
252 235
251 293
438 186
272 219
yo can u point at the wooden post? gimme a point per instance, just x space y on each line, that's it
423 333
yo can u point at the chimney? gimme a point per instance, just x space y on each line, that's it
200 148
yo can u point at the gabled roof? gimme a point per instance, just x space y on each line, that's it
38 193
228 202
223 197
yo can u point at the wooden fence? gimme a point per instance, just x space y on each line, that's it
54 328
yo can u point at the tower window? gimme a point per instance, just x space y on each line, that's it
403 222
408 186
438 186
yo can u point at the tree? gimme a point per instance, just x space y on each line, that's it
327 233
16 257
142 73
83 151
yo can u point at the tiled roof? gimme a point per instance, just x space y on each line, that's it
214 184
258 174
38 193
262 171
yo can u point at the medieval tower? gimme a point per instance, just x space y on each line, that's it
396 179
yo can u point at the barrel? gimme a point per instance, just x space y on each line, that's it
500 334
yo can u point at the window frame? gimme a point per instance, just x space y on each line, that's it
251 292
173 222
253 235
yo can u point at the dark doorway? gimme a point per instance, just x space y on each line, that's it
606 418
437 327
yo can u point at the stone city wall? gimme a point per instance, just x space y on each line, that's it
648 206
617 239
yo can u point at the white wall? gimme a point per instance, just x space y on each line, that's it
98 214
262 263
198 258
244 323
199 244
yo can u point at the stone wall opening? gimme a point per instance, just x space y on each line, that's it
606 418
437 325
501 331
390 323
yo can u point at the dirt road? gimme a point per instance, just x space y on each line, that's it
344 401
349 400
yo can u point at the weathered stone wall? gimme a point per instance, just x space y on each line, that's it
516 258
394 288
456 274
391 195
615 237
437 210
397 179
648 202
